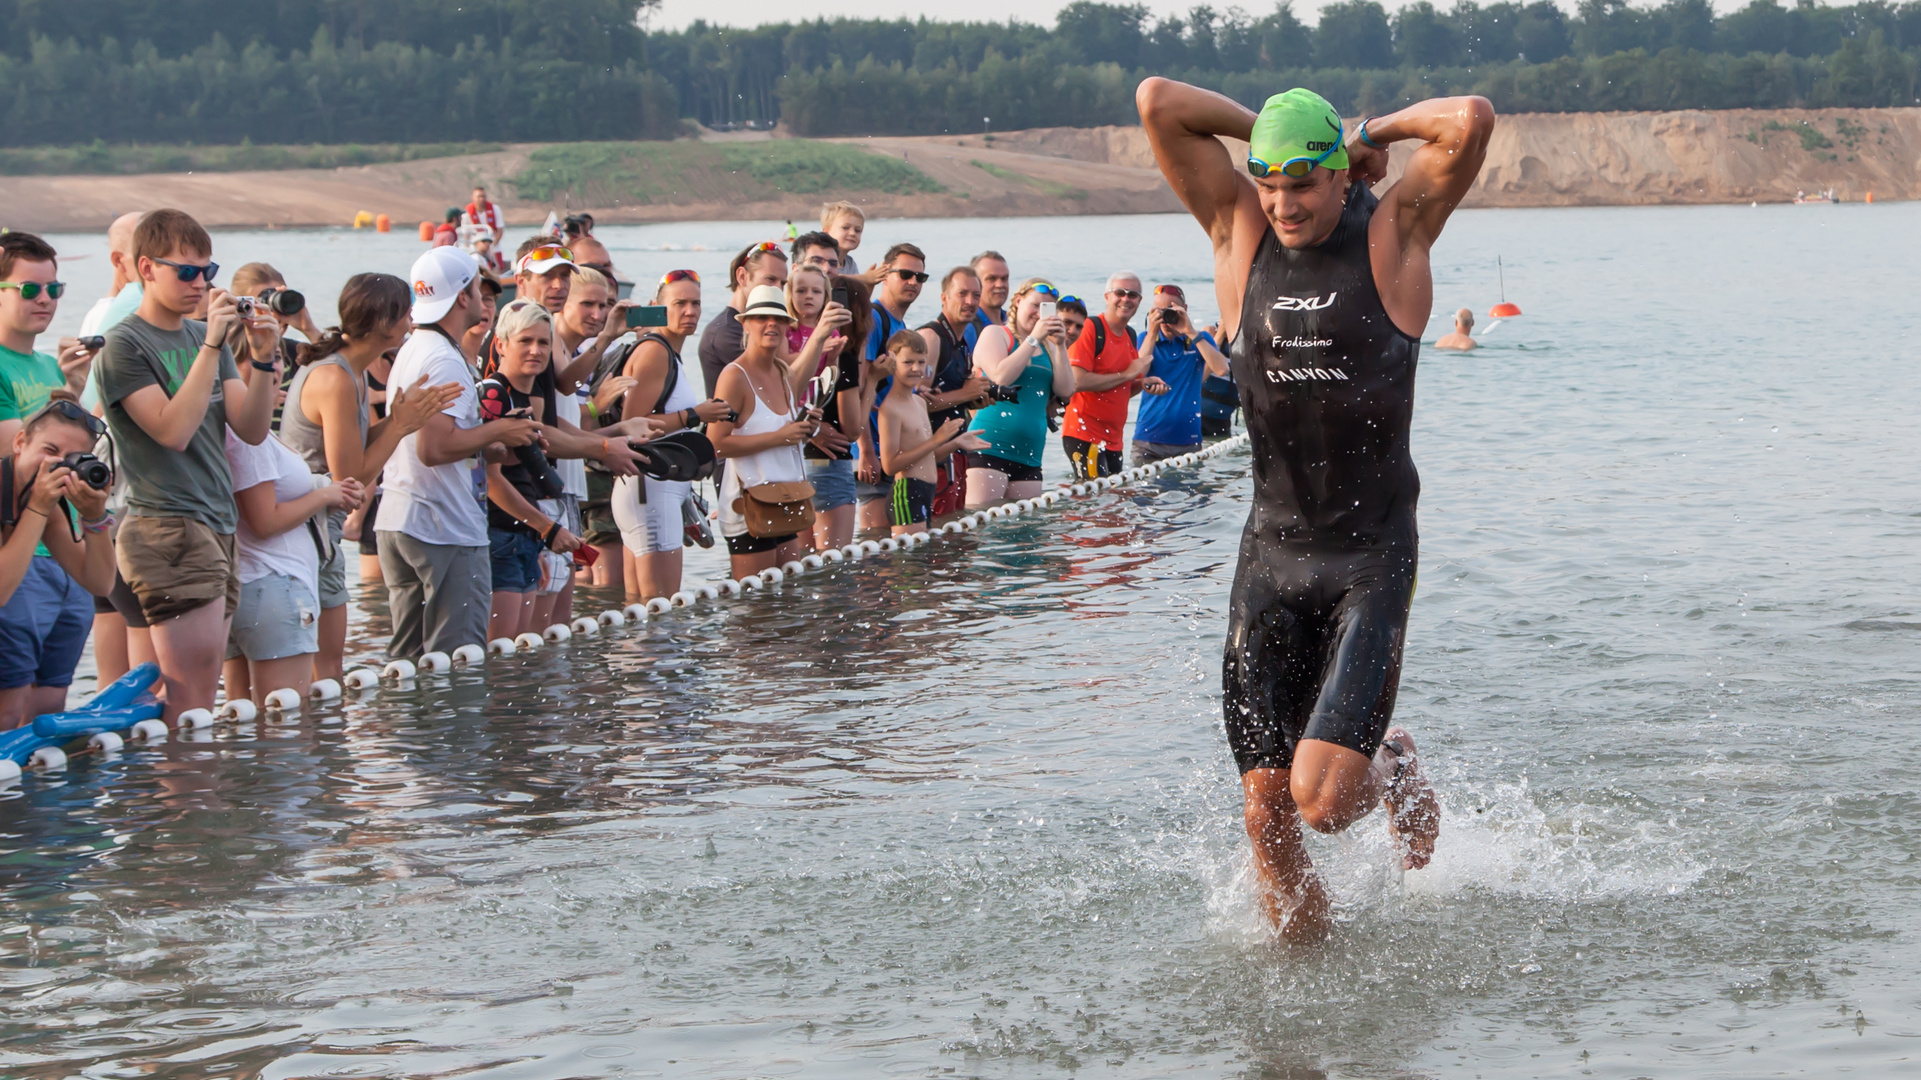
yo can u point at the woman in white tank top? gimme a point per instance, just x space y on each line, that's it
762 445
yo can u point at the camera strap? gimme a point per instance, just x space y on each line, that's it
9 508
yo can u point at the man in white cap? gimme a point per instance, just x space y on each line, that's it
432 525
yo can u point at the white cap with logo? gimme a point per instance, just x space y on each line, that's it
439 276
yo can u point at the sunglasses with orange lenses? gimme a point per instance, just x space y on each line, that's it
672 276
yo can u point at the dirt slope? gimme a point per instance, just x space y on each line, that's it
1577 159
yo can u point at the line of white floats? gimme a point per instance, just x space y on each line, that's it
287 701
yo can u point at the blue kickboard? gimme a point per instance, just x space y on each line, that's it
125 703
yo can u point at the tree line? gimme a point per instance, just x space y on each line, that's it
337 71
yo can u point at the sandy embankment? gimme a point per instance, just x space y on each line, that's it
1573 159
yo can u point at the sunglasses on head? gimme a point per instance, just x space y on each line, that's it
1125 294
1044 289
67 409
1295 168
911 275
672 276
1067 298
1171 290
766 246
31 290
189 271
548 251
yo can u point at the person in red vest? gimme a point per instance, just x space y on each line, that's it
482 212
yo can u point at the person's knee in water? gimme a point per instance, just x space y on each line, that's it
1322 285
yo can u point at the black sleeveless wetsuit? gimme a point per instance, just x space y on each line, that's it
1327 564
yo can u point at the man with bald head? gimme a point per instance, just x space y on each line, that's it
124 296
1462 338
1109 369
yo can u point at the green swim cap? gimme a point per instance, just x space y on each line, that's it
1299 124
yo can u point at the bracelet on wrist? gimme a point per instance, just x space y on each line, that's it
1364 136
258 366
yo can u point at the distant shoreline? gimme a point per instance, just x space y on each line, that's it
1542 159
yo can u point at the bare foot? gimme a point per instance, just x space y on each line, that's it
1302 918
1414 814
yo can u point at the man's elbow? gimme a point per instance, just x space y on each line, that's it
1476 119
1151 96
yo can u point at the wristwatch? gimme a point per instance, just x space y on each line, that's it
258 366
688 418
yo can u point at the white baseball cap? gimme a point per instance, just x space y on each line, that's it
439 276
544 259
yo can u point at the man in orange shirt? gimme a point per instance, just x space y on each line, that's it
1109 365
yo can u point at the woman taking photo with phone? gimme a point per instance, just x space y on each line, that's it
1029 356
652 513
830 459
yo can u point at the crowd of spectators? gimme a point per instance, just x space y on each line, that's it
186 474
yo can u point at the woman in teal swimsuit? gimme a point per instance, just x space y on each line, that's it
1029 355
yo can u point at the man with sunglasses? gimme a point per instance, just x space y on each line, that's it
30 292
1110 367
1324 290
172 390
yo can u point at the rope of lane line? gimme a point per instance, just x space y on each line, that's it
400 674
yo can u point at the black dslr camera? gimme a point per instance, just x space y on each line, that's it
89 469
1003 395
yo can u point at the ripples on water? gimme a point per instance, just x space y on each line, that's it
969 810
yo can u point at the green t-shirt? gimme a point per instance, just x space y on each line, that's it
161 482
26 379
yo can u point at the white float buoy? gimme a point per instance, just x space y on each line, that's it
398 670
286 699
586 627
362 678
870 547
148 731
48 759
501 646
773 575
853 551
195 719
659 604
558 633
433 663
812 562
750 582
9 772
470 655
635 612
529 641
683 598
792 568
890 544
238 711
833 555
106 742
707 592
611 617
731 588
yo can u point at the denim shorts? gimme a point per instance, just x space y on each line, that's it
516 559
278 617
44 627
833 483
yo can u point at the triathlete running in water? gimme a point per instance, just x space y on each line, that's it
1325 290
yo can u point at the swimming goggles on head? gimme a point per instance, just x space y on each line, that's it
1295 168
31 290
188 271
1068 299
1044 289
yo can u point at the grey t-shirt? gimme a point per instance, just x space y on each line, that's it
719 346
196 483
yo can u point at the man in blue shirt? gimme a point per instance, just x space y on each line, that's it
1170 424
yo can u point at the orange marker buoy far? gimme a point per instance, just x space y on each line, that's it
1870 196
427 232
1503 310
383 223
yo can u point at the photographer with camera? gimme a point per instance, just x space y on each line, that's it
812 293
29 298
1026 359
56 554
1169 423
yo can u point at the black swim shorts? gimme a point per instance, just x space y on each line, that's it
745 544
1015 472
1313 650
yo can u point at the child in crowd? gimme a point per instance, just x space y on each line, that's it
908 444
171 391
844 222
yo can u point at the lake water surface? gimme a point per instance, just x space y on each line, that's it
969 812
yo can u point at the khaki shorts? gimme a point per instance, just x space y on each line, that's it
597 523
175 565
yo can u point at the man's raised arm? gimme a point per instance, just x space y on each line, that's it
1182 122
1453 133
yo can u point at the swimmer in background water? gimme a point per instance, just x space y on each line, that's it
1462 337
1324 290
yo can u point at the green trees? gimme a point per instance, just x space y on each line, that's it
340 71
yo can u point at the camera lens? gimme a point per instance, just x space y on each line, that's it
91 470
284 301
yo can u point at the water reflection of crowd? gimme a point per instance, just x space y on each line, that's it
186 473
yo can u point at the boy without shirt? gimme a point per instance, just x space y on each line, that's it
171 391
909 445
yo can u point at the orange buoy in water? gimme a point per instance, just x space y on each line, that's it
427 232
1504 310
1870 196
383 223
